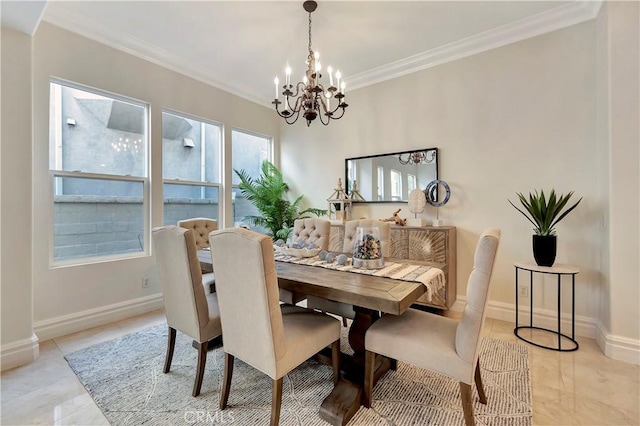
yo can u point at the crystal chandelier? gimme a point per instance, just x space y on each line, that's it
417 157
311 98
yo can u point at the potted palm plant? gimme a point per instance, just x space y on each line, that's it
545 213
268 194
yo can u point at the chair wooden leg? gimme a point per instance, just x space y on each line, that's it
276 401
171 343
467 404
226 380
202 360
369 364
481 395
335 360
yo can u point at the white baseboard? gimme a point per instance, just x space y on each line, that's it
18 353
618 347
615 347
67 324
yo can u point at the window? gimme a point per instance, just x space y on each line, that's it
248 151
412 183
352 173
191 162
98 161
395 179
380 183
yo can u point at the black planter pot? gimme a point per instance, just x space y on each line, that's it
544 249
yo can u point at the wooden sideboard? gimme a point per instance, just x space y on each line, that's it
431 244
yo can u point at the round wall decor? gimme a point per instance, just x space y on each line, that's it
431 193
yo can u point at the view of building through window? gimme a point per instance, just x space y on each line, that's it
98 158
191 164
248 151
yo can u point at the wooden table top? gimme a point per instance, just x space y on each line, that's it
367 291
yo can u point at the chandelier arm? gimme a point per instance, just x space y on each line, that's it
296 115
340 116
322 121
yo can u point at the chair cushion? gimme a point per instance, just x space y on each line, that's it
305 332
421 339
213 327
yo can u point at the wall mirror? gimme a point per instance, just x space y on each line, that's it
387 178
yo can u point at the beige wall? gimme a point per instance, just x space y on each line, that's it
624 184
62 293
512 119
18 342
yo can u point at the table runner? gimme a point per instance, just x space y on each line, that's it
432 278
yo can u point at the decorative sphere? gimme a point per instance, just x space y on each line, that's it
279 243
322 255
311 246
342 259
329 257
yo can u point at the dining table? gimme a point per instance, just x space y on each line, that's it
371 296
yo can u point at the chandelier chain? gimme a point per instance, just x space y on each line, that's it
310 33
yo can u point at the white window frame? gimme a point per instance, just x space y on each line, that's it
54 173
200 183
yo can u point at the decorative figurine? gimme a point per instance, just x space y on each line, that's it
395 218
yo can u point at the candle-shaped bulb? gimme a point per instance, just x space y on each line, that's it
338 76
342 86
276 81
288 75
316 55
330 71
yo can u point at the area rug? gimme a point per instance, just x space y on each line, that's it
124 377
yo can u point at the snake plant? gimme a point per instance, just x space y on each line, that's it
545 213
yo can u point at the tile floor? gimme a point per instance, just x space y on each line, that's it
573 388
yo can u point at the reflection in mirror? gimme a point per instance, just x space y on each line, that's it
391 177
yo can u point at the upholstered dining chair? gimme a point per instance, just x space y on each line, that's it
438 343
310 230
350 227
272 338
186 306
202 227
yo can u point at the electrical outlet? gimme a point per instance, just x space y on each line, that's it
145 282
523 291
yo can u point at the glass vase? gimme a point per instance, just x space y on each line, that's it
367 249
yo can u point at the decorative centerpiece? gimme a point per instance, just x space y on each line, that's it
367 250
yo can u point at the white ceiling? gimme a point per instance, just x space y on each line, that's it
240 46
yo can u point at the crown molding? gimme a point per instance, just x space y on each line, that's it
554 19
559 17
96 31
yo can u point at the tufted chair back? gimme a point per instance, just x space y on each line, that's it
473 315
185 303
312 230
350 234
201 227
245 271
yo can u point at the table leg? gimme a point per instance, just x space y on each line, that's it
530 298
345 399
559 315
517 293
573 307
